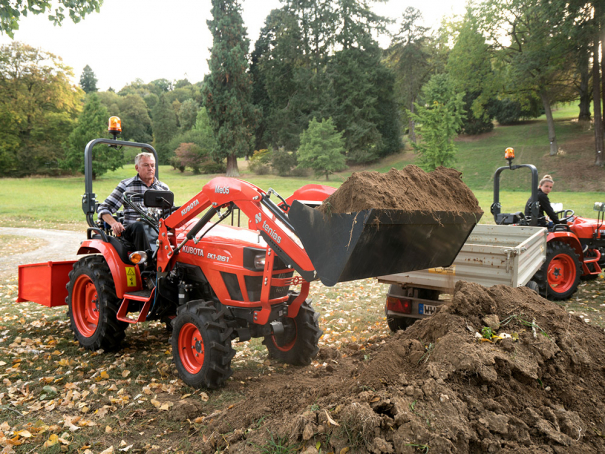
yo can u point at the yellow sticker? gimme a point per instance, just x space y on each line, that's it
131 276
441 270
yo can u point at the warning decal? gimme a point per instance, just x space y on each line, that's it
131 276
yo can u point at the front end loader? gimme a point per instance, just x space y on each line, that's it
215 283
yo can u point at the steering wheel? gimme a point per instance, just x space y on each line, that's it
565 215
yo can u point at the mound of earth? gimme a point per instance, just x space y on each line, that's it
410 189
437 388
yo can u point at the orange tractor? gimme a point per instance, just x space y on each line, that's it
575 248
221 283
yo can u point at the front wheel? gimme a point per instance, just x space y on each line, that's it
93 305
297 345
201 345
560 274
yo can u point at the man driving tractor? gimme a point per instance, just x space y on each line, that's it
133 231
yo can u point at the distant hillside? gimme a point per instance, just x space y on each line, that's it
480 156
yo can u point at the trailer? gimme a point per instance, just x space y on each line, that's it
492 255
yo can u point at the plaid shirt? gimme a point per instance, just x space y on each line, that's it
116 198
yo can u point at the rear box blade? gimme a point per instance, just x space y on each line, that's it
370 243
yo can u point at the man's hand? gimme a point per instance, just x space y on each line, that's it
117 228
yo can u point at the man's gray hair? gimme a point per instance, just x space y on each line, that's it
138 157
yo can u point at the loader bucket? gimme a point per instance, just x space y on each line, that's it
370 243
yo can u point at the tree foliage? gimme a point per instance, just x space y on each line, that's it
88 80
38 109
440 118
164 129
92 124
322 148
227 89
11 11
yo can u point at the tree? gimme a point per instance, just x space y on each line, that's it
136 124
322 148
410 58
88 81
38 109
92 124
227 89
188 114
470 70
440 119
12 10
164 128
531 39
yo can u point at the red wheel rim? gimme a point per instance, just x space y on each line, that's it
85 306
288 346
561 273
191 348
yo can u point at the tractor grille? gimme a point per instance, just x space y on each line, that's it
254 285
232 284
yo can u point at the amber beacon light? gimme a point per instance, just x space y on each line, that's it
115 126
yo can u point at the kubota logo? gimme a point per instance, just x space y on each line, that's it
258 218
193 251
188 208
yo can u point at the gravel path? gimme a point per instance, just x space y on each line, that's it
61 245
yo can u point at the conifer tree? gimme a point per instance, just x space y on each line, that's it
88 80
227 89
164 128
322 148
92 124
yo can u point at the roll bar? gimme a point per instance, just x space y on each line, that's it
89 201
496 206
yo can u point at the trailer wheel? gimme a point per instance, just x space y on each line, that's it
560 274
201 345
93 305
298 344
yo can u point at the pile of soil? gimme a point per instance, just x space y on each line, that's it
436 387
410 189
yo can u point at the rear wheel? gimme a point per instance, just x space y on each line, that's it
93 305
298 343
560 274
201 345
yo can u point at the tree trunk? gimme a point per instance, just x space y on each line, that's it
552 138
596 102
232 170
583 89
412 126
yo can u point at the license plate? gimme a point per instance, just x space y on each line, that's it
425 309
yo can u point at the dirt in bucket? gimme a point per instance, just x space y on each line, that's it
438 387
410 189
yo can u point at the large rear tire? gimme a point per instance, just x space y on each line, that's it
560 274
93 305
298 344
201 345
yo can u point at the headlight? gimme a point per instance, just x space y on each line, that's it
599 206
259 261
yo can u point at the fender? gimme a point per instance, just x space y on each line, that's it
127 278
569 238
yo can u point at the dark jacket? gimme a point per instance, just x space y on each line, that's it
544 206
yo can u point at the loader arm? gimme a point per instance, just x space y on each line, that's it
270 220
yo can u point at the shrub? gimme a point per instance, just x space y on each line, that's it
211 166
283 161
260 162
